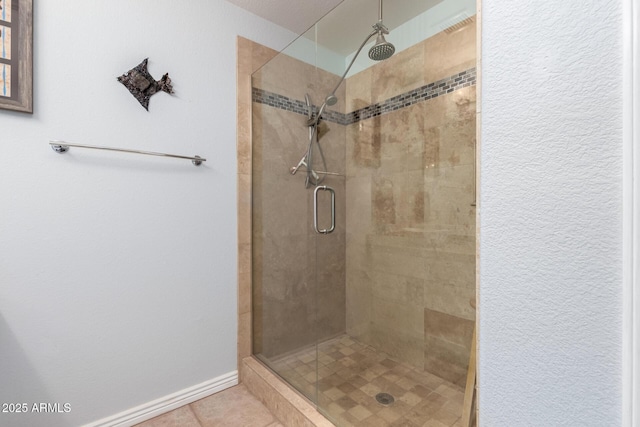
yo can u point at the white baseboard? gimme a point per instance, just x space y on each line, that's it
168 403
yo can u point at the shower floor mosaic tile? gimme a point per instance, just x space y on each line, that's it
351 374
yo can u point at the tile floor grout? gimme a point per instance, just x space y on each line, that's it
232 407
343 376
194 414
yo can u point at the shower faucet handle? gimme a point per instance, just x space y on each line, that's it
302 162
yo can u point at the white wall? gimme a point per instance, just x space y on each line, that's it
118 272
550 254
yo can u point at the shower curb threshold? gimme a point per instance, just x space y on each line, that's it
285 403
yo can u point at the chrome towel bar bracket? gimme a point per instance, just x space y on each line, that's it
63 147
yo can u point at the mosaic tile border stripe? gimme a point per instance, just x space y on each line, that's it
278 101
432 90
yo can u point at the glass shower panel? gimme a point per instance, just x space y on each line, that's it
284 287
409 243
372 321
287 321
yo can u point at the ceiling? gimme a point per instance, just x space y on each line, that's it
294 15
343 29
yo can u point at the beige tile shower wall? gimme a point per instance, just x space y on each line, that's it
298 276
251 56
439 56
293 78
410 220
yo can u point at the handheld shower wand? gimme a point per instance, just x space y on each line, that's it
381 50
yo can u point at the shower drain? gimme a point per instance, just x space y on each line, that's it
385 398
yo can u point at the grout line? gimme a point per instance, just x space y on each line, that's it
195 415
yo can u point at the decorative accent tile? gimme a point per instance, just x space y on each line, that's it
432 90
278 101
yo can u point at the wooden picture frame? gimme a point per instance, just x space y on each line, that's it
16 55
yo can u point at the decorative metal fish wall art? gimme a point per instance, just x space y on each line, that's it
142 85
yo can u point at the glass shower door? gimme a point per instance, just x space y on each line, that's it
285 312
364 232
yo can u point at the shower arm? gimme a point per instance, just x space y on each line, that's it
377 27
373 33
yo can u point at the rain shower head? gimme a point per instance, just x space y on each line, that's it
382 49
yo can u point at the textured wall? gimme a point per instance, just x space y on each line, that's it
550 253
117 272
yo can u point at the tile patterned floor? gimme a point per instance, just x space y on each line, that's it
350 374
233 407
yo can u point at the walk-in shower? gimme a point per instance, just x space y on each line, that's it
363 289
380 51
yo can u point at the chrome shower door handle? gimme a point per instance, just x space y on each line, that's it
333 209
